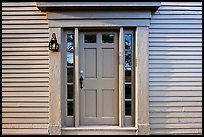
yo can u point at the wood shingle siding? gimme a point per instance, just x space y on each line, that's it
25 69
175 69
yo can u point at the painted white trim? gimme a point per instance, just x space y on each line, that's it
121 77
76 76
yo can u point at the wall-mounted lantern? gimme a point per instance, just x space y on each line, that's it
53 45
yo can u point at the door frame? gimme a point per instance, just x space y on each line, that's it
56 86
57 23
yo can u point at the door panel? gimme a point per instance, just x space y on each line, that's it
99 62
90 63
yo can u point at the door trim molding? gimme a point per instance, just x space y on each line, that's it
56 72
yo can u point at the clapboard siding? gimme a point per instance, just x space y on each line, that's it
175 69
25 69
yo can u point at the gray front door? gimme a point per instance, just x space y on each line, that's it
99 69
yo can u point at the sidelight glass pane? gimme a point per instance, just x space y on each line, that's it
127 74
70 91
127 107
70 73
127 91
70 58
70 42
90 38
108 38
128 41
128 58
69 108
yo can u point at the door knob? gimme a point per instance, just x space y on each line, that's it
81 82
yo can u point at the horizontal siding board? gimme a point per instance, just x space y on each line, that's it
25 62
25 110
175 35
25 84
175 31
33 45
172 104
25 115
25 94
173 79
182 12
25 26
183 57
24 71
176 88
175 74
33 13
178 22
177 126
174 26
25 40
25 120
19 104
168 70
168 17
175 115
176 61
23 80
174 109
25 66
25 58
25 35
180 83
181 4
175 120
26 22
26 89
25 31
19 8
24 131
175 94
24 126
185 40
25 99
17 4
175 65
175 8
176 131
25 17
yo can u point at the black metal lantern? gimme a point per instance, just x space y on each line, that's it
53 45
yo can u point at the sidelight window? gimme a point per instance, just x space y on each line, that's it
70 74
128 67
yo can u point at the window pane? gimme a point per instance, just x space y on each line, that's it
90 38
127 74
70 75
128 41
70 108
128 57
70 58
108 38
127 91
70 42
70 91
127 107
